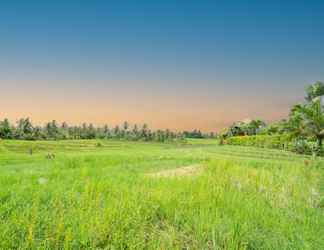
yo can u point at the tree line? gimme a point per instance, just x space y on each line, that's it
24 129
304 125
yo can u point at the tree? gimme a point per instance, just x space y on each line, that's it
106 132
52 130
144 131
245 127
254 126
116 132
5 129
135 132
38 133
308 120
91 132
64 131
314 90
279 127
24 129
125 125
193 134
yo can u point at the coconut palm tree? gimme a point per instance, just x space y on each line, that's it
308 120
314 90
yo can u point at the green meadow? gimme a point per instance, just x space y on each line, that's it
113 194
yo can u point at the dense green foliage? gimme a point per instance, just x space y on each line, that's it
263 141
197 134
25 130
283 141
307 121
298 133
247 127
314 90
100 197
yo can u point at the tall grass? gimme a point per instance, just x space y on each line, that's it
92 197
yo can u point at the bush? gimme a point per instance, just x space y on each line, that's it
299 146
302 146
262 141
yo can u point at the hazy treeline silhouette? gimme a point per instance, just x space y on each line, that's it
197 134
23 129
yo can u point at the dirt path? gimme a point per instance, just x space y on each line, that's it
178 172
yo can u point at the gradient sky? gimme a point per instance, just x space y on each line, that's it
172 64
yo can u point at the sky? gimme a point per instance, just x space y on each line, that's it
171 64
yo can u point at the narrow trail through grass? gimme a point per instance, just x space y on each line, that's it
191 170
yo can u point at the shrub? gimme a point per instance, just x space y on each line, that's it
300 146
263 141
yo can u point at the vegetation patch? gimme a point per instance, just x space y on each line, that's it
302 132
263 141
203 196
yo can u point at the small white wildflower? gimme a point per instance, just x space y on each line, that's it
314 192
313 197
238 185
42 181
262 189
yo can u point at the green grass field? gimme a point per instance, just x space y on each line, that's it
104 195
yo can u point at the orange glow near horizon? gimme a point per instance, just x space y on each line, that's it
175 111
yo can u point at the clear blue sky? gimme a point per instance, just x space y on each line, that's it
177 64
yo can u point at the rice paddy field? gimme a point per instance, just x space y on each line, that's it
142 195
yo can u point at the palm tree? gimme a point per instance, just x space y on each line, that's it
5 129
308 120
314 90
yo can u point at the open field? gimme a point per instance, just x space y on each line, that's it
119 195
